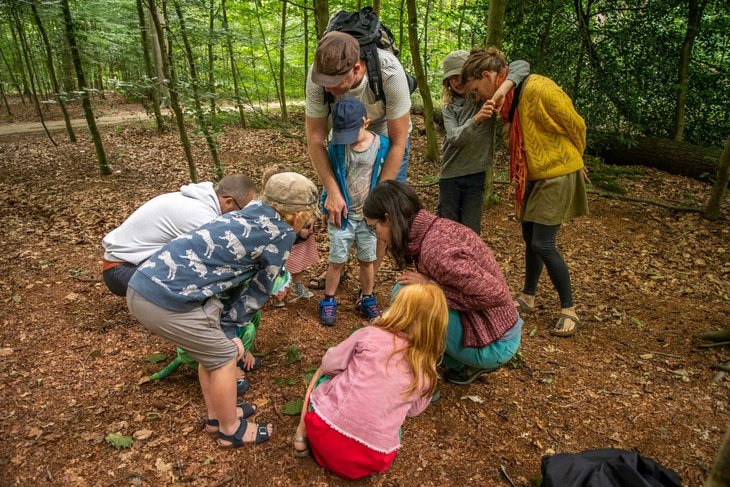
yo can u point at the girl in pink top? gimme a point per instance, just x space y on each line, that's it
367 385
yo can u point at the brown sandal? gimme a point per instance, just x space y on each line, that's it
558 329
522 306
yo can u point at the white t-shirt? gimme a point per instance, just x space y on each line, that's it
395 86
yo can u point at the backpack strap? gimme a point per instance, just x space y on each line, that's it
516 98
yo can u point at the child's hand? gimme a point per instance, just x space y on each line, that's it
305 233
485 113
237 341
248 360
412 277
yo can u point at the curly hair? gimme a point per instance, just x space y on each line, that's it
480 60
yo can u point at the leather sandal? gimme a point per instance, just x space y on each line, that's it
558 329
236 439
301 453
522 306
212 426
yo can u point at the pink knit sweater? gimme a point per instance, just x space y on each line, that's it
364 400
462 264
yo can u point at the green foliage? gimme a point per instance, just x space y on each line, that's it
119 441
293 354
293 408
604 176
156 358
284 381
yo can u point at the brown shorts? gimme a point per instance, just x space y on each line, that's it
198 331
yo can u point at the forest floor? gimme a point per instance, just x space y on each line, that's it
72 360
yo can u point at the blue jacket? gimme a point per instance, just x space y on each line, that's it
219 259
339 169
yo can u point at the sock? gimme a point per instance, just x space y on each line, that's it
329 298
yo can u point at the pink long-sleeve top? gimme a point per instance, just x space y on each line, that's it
364 400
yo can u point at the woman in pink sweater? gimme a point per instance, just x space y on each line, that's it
484 327
367 385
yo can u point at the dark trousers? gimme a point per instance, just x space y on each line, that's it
461 199
540 251
117 278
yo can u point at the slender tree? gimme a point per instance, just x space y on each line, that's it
305 11
432 151
718 191
282 63
694 17
153 91
104 168
12 77
25 49
5 99
495 32
268 55
60 97
194 81
234 67
211 57
16 54
170 76
321 16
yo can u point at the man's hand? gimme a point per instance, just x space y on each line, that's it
248 361
336 208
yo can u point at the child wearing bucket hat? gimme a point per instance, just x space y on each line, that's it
356 157
198 289
467 145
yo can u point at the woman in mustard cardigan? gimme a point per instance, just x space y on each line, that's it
547 138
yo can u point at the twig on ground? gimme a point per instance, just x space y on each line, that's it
716 344
223 482
666 354
504 472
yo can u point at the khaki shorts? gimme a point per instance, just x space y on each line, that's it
198 331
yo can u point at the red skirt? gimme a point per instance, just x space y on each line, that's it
342 455
303 256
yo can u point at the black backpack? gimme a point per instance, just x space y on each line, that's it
365 26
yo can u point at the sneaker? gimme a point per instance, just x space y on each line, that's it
369 307
298 291
467 375
328 312
242 386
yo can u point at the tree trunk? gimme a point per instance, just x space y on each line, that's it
234 68
432 151
104 168
211 58
720 473
376 7
462 13
25 51
305 10
685 55
268 55
400 25
153 91
282 43
202 122
60 97
321 16
668 155
545 39
13 79
19 61
5 100
495 32
159 48
168 67
721 182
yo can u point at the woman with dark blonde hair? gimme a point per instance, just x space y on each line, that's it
547 138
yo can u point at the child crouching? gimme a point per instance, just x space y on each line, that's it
394 360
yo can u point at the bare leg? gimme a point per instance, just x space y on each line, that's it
219 391
332 279
380 248
300 436
367 277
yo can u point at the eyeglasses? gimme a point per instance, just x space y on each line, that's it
234 202
372 227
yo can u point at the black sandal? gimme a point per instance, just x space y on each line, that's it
236 439
212 426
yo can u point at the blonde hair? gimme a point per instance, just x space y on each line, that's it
419 313
480 60
447 94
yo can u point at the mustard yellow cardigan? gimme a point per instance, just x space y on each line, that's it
554 134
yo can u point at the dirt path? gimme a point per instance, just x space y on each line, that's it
77 123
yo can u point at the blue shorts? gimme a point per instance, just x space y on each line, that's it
341 240
403 171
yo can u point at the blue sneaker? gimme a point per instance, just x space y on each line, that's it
369 307
328 312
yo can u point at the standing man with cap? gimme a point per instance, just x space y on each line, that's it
197 289
356 157
338 69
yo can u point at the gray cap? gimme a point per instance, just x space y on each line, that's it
453 62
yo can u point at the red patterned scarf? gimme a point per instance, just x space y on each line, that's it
518 156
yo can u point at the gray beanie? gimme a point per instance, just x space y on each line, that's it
453 62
